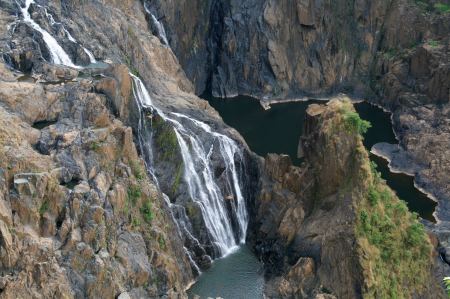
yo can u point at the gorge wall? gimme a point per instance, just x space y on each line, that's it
83 211
394 53
332 228
89 210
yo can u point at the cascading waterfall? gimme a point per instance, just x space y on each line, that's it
159 26
229 149
57 53
203 187
59 56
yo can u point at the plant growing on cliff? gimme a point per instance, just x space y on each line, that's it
395 249
147 211
447 285
442 7
43 208
134 193
354 123
166 139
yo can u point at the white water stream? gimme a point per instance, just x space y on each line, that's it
159 26
203 187
57 53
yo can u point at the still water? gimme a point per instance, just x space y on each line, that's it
237 276
278 130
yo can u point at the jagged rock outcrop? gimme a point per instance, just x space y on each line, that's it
332 227
79 213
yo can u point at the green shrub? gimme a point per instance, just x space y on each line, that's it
424 5
95 146
166 140
433 43
373 196
415 234
43 208
147 212
162 242
177 180
442 7
135 222
134 193
354 123
138 171
447 285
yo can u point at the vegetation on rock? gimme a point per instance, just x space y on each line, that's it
394 249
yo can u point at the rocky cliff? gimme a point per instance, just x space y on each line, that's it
394 53
332 228
81 215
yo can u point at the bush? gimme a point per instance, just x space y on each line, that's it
433 43
166 140
134 193
373 195
354 123
43 208
415 234
442 7
147 212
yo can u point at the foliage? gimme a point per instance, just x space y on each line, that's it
447 285
442 7
177 180
428 6
162 242
135 222
95 146
134 193
147 212
354 123
433 43
43 208
395 247
138 171
166 140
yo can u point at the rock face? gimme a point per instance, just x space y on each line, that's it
79 215
273 48
395 53
310 227
78 202
78 211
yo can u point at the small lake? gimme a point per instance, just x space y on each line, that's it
237 276
278 130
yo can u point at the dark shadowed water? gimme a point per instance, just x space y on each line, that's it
237 276
278 131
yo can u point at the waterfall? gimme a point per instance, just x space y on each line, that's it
159 26
57 53
140 94
228 149
59 56
203 187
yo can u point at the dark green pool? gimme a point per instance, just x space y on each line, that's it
237 276
278 131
